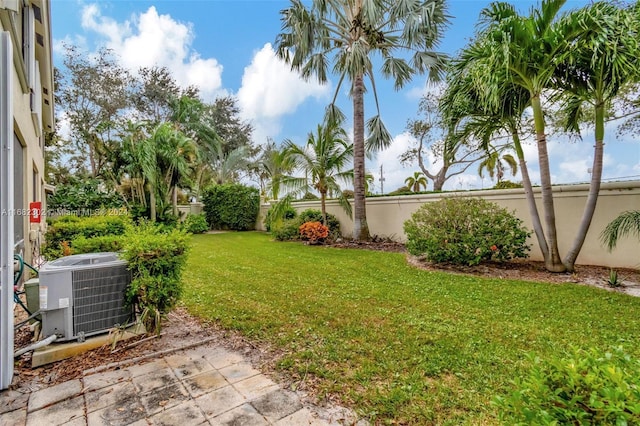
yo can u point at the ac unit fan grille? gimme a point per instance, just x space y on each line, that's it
98 299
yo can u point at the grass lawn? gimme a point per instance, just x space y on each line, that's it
393 342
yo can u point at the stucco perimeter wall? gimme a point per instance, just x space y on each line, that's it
386 216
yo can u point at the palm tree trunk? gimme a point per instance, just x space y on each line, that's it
323 207
152 202
594 189
528 192
175 200
360 226
552 262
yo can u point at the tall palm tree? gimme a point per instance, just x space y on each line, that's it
469 116
600 63
323 160
348 33
417 181
493 164
527 48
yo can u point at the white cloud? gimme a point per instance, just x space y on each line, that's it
394 172
151 39
271 90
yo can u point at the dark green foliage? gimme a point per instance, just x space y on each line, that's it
156 261
311 215
231 206
195 224
287 231
290 229
465 231
507 184
69 228
585 387
83 197
103 243
289 213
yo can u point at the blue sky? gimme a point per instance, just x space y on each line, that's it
226 48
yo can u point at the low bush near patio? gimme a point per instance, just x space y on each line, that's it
586 387
465 231
195 224
156 261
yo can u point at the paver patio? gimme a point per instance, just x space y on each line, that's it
201 386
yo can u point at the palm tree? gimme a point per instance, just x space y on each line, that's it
623 225
493 164
175 154
469 116
417 181
274 166
527 48
323 160
600 63
348 33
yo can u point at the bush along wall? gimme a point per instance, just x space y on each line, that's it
465 231
156 261
231 206
289 229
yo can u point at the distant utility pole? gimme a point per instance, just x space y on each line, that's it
381 181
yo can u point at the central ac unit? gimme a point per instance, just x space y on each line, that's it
83 295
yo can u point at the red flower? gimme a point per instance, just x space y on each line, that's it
494 247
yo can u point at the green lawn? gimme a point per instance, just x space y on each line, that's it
396 343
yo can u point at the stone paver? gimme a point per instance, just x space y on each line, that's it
12 400
99 381
240 371
14 418
277 404
48 396
256 386
184 414
204 383
244 415
202 386
217 402
58 414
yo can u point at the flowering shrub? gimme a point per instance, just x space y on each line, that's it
465 231
313 232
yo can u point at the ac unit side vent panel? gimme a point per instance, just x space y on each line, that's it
98 299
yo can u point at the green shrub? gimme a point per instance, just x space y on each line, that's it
287 231
309 196
195 224
289 213
103 243
231 206
69 228
507 184
586 387
311 215
465 231
156 261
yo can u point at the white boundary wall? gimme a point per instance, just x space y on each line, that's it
386 216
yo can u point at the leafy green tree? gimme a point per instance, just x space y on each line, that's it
347 34
433 134
417 181
600 62
93 93
323 160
